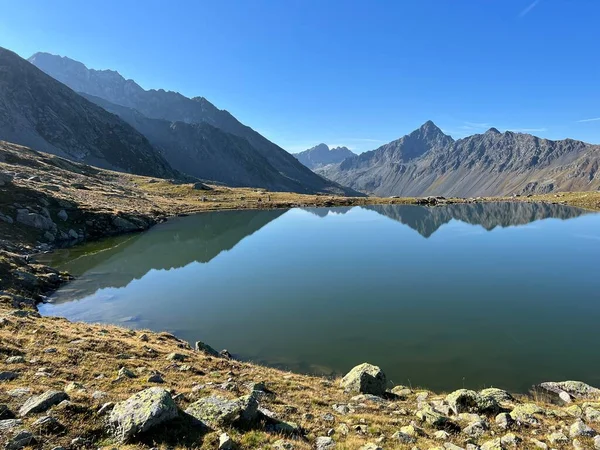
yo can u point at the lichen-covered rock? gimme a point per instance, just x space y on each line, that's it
579 428
371 446
510 440
324 443
216 411
9 424
403 438
413 430
526 413
176 357
141 412
365 379
42 402
476 429
465 400
282 444
562 392
558 438
494 444
205 348
48 424
432 417
504 420
497 394
597 442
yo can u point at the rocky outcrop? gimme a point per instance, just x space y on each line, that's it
216 411
365 379
141 412
42 402
565 391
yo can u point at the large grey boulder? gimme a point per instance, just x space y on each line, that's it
464 400
35 220
216 411
42 402
563 392
365 379
141 412
205 348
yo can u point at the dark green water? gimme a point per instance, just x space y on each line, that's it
503 294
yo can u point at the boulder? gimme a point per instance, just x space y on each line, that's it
141 412
8 375
579 428
494 444
526 413
558 438
432 417
563 392
42 402
476 429
20 439
403 438
324 443
497 394
216 411
176 357
9 424
365 379
35 220
504 420
205 348
465 400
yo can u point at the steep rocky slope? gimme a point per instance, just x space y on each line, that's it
321 155
428 162
174 107
38 111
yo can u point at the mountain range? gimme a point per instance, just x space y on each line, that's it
39 112
321 155
193 135
429 162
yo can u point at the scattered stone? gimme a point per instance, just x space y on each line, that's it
325 443
539 444
42 402
6 413
19 392
403 438
106 408
401 391
141 412
205 348
50 350
8 376
371 446
579 428
441 435
155 378
365 379
19 440
413 430
176 357
469 417
465 400
125 373
451 446
35 220
494 444
289 428
217 412
476 429
526 413
597 442
558 438
74 386
10 424
48 424
341 409
225 442
432 417
510 440
328 417
15 360
283 445
144 337
504 420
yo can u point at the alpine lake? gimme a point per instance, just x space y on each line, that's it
474 295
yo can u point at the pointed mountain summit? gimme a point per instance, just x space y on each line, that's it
429 162
321 155
248 159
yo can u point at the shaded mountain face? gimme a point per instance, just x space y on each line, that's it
321 155
39 112
428 162
174 107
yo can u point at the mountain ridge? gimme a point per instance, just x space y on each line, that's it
175 107
429 162
40 112
321 155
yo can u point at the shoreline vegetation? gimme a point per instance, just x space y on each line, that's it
77 385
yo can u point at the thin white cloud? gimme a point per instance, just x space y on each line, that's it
476 125
528 130
595 119
529 8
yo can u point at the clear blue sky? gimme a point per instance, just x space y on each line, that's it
354 73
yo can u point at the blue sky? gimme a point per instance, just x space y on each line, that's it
354 73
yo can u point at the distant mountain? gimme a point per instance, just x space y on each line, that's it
321 155
428 162
39 112
177 110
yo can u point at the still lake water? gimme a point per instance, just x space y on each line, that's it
501 294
